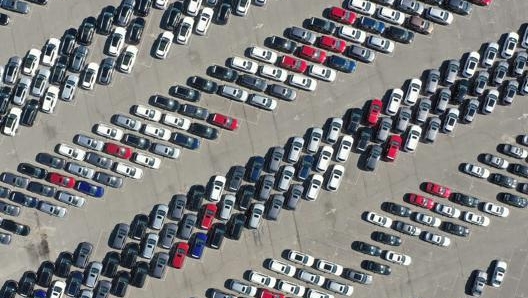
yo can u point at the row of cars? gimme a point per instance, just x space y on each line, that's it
17 6
480 278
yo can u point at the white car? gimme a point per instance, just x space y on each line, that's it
345 146
379 220
329 267
291 288
163 44
50 100
439 15
394 102
262 279
242 7
362 6
216 188
496 210
31 62
490 101
476 171
176 121
226 207
413 91
490 54
51 51
446 210
68 90
300 258
70 199
413 137
509 45
352 34
89 76
185 30
128 170
263 102
397 258
243 64
116 41
146 160
264 55
335 177
71 152
157 132
499 271
204 21
281 267
476 219
427 220
302 82
274 73
110 132
437 239
12 121
128 59
322 73
160 4
390 15
193 7
314 186
311 293
323 158
471 64
450 120
57 289
146 112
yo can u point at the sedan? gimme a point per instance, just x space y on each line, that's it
514 151
112 133
293 64
421 201
61 180
377 267
397 258
386 238
224 121
397 209
204 131
146 112
203 84
438 15
476 219
281 267
312 54
476 171
163 44
495 209
362 6
471 64
390 15
332 44
436 239
374 112
184 30
379 220
14 180
342 15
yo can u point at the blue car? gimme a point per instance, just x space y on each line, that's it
304 166
186 141
254 169
341 64
90 189
371 25
198 245
40 294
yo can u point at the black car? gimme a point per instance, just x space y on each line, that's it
14 227
74 283
371 25
195 197
185 93
27 283
32 171
138 226
465 200
135 31
194 111
105 20
63 264
139 274
172 17
322 26
235 177
455 229
29 112
461 7
366 248
399 34
4 192
23 199
252 82
520 170
377 267
386 238
204 131
78 59
9 289
58 72
68 42
244 196
235 226
223 13
120 284
136 141
216 235
460 91
106 71
165 103
514 200
4 19
282 92
142 7
86 31
5 93
397 209
223 73
354 120
110 263
365 135
45 274
203 84
282 44
129 255
51 161
503 180
123 13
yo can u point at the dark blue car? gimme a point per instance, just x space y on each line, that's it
90 189
198 245
23 199
304 166
186 141
253 171
341 64
371 25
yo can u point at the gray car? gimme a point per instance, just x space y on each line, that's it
158 265
21 91
14 180
358 276
433 127
91 274
479 282
360 53
9 209
499 73
373 157
274 206
16 6
264 187
509 91
480 82
108 180
186 226
82 254
275 158
451 72
12 70
282 92
442 99
68 90
519 63
40 82
293 196
102 290
88 142
79 170
126 122
98 160
119 236
431 83
424 106
177 206
384 127
157 216
78 59
165 151
403 119
167 235
302 35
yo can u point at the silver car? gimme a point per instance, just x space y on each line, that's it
167 235
68 90
148 244
264 187
21 91
479 282
80 170
451 72
274 206
302 35
433 127
158 265
41 82
177 206
88 142
126 122
385 125
165 151
157 216
442 99
92 273
275 158
293 196
98 160
108 180
70 199
424 106
12 70
432 81
403 119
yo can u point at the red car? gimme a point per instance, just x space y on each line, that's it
342 15
269 294
224 121
393 146
421 201
437 189
117 150
333 44
312 54
374 112
178 257
293 64
208 216
61 180
482 2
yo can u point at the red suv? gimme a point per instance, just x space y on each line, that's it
224 121
374 112
438 190
179 252
208 216
312 54
393 146
293 64
342 15
333 44
61 180
117 150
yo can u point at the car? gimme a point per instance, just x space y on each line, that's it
343 151
23 199
471 64
116 41
432 81
413 137
490 54
127 170
86 31
323 158
413 90
31 62
476 219
252 82
436 239
476 171
341 15
146 112
304 167
156 132
105 20
241 7
438 15
470 111
519 63
495 161
243 64
396 258
223 13
12 70
460 91
12 121
241 287
321 25
49 100
57 289
162 44
329 267
509 91
15 180
301 35
262 279
386 238
364 137
438 190
78 60
495 209
313 187
21 91
306 52
69 87
403 119
89 76
465 200
203 84
461 7
332 44
503 180
446 210
390 15
90 189
50 51
45 273
127 59
393 146
291 288
397 209
222 73
479 82
264 55
362 6
135 31
52 209
379 220
233 92
183 34
377 267
509 45
300 257
523 88
186 93
204 21
514 200
421 201
427 220
499 271
29 113
351 34
335 177
450 120
110 264
283 44
280 267
408 229
514 151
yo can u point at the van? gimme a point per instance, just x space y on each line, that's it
413 136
